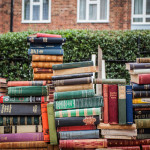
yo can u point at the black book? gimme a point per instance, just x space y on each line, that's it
143 131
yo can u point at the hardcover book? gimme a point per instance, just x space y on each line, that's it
45 35
142 116
143 60
137 106
143 131
44 64
138 87
145 147
131 66
140 100
139 71
125 148
141 112
119 137
45 46
109 81
142 123
143 136
42 70
141 94
140 78
42 76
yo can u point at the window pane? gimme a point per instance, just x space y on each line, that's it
103 10
45 9
148 7
137 19
147 19
36 0
26 9
82 10
93 12
138 6
36 12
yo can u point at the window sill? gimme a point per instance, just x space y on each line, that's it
36 21
92 21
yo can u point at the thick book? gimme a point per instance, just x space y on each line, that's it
26 83
116 126
86 80
82 134
113 104
135 106
73 65
51 123
145 147
73 87
129 106
44 64
45 35
124 148
143 60
20 110
75 70
138 87
76 128
2 80
20 137
38 51
140 100
105 97
141 112
143 136
142 123
47 58
73 94
142 116
28 91
141 94
140 78
139 71
125 137
72 76
77 121
122 104
45 122
20 129
96 101
42 70
42 76
131 66
109 81
20 120
45 46
78 112
143 131
83 143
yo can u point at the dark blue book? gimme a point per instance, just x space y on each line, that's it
45 46
45 52
129 107
138 87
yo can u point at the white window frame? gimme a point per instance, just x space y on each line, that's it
87 12
41 12
144 16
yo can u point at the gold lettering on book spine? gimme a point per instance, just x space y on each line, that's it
35 108
89 120
6 108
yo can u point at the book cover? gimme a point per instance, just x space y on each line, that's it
141 94
42 70
142 123
45 46
109 81
44 64
131 66
138 87
140 100
140 78
42 76
143 60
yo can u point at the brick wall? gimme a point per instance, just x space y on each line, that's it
64 16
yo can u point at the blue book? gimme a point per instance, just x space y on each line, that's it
45 52
129 107
45 46
140 87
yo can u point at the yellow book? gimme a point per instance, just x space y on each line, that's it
140 100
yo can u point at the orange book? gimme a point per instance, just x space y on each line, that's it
42 76
42 70
45 122
44 64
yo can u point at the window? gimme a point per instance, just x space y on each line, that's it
36 11
141 11
93 11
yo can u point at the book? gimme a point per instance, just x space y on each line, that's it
141 112
143 136
77 121
137 106
42 70
142 116
142 123
96 101
45 122
105 97
45 46
82 134
116 126
3 90
73 87
76 128
129 107
140 100
143 131
45 35
122 104
141 94
72 65
39 51
42 76
26 83
2 80
20 129
145 147
83 143
51 123
143 60
20 137
118 137
43 64
140 78
77 112
131 66
28 91
73 94
47 58
20 120
75 70
113 104
139 71
109 81
138 87
125 148
71 76
141 109
3 85
19 109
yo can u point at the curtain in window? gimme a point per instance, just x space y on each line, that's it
36 12
26 9
103 9
82 10
45 9
138 6
93 12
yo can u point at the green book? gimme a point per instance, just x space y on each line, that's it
96 101
72 65
73 94
122 104
143 136
28 91
142 123
51 124
78 112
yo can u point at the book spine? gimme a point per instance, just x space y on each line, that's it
48 35
140 66
109 81
73 94
143 60
143 136
125 148
138 87
45 122
142 112
145 147
83 143
142 116
42 70
129 107
39 51
141 94
144 78
96 101
140 100
118 137
88 134
3 85
19 109
143 131
142 123
122 104
45 46
77 112
42 76
77 121
44 64
113 104
51 121
141 109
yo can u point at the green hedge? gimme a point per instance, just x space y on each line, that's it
80 45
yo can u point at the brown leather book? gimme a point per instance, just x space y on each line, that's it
46 76
3 90
44 64
42 70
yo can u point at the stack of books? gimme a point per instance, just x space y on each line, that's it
140 81
3 87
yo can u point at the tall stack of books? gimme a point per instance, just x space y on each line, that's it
140 81
3 87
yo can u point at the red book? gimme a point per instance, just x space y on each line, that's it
140 78
76 128
126 147
105 97
48 35
51 96
145 147
113 104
